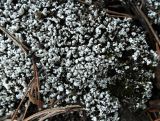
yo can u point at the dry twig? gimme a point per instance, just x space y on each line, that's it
42 115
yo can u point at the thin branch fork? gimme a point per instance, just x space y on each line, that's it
34 95
32 92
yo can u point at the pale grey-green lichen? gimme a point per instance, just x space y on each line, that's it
87 57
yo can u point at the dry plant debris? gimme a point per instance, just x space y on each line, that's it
42 115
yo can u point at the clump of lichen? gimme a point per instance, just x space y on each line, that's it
86 57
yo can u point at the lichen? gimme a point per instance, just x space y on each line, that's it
85 56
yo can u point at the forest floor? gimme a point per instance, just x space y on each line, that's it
32 108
